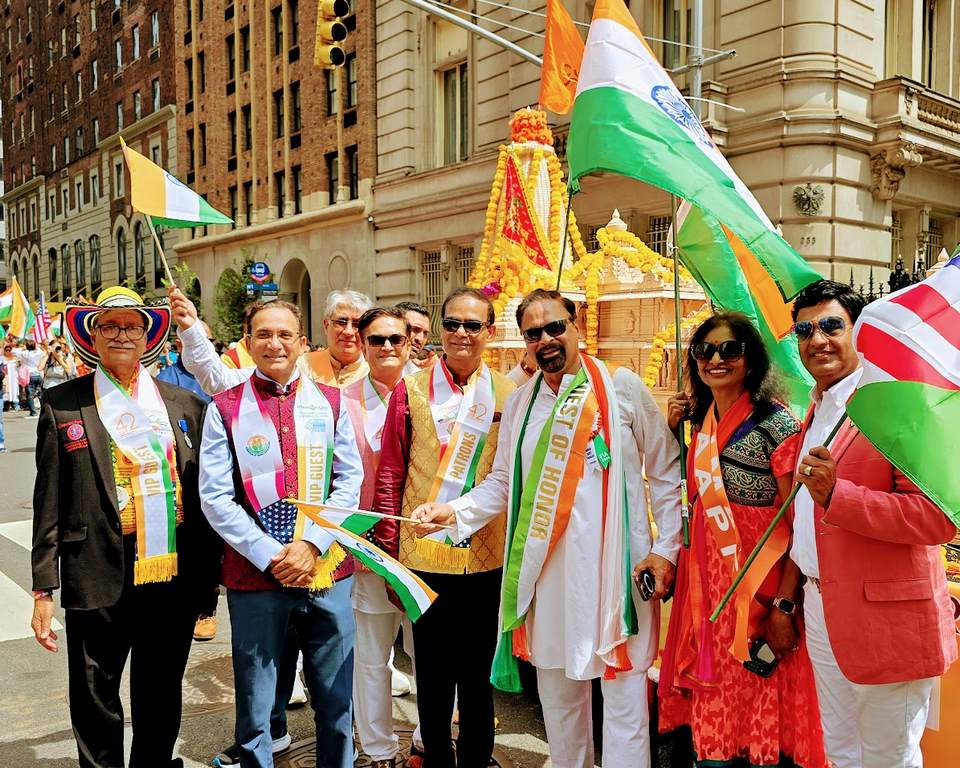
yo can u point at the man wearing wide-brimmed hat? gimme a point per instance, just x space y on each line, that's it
119 532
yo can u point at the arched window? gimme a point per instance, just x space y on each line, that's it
16 271
52 266
80 265
139 256
121 257
36 273
95 280
66 270
25 276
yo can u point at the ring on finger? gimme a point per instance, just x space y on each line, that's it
807 470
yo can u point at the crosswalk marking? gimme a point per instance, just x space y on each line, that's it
17 602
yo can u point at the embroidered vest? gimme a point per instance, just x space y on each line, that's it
238 572
486 546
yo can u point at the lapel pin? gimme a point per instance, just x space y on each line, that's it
186 436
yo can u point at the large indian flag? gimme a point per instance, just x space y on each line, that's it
164 198
908 399
630 119
15 311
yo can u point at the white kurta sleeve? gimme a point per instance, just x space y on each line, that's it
661 460
201 359
490 496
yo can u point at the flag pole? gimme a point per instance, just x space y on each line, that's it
163 258
566 232
767 533
684 500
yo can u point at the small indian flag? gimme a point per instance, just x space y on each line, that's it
15 311
414 594
164 198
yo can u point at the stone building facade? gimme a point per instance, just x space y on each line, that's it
76 77
849 134
258 138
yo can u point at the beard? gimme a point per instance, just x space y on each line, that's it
552 364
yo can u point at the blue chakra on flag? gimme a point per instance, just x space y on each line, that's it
677 110
279 520
369 552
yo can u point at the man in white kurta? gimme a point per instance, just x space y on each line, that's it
563 622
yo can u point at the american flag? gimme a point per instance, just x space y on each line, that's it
41 330
279 520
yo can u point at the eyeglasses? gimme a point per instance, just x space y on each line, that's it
346 322
731 349
553 329
395 339
472 327
829 326
111 331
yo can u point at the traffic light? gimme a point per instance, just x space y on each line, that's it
330 33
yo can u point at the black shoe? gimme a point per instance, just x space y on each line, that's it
231 755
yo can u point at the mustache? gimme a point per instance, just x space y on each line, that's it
543 350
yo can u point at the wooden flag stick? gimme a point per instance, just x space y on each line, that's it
163 258
381 515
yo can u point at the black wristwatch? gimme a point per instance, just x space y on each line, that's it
785 605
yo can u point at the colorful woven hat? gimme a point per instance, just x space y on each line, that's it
78 319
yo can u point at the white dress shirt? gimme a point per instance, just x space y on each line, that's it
232 522
564 618
827 409
201 359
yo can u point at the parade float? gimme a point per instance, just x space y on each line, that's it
625 289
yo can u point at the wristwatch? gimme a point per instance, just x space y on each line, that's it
785 605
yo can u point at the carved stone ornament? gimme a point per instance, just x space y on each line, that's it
808 198
889 168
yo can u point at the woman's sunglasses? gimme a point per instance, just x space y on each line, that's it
554 329
829 326
395 339
472 327
731 349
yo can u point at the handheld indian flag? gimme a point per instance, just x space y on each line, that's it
630 119
414 594
908 400
15 312
164 198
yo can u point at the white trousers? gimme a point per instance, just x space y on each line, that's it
372 701
864 726
567 715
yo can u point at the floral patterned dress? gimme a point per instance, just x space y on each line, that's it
739 718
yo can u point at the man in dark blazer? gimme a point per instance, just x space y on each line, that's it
119 532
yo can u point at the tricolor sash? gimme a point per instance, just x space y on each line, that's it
462 419
139 425
374 409
260 460
719 521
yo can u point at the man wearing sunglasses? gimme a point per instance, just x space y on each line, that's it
576 441
878 618
439 438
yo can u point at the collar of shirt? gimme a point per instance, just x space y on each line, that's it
836 396
268 386
470 379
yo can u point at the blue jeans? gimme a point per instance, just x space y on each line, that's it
32 389
324 628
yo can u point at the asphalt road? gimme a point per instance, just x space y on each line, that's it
35 721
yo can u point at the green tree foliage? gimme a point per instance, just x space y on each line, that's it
231 299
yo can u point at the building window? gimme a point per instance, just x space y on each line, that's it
333 172
94 75
93 17
155 29
657 233
234 203
155 154
155 93
463 265
137 106
201 72
118 178
94 188
65 270
279 184
351 65
677 19
231 58
928 42
245 49
191 146
332 105
36 273
277 26
353 169
278 113
78 191
188 65
78 82
121 256
455 113
432 287
203 144
139 255
80 265
247 128
78 140
135 37
119 108
96 131
294 22
295 105
66 150
248 202
232 121
52 266
297 189
117 55
95 280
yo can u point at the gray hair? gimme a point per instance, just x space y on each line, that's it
358 302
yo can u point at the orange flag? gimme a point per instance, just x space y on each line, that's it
562 52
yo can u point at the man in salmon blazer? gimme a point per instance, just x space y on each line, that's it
878 617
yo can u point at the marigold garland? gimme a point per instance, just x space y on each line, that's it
665 336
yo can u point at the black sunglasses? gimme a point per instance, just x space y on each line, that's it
731 349
472 327
829 326
553 329
395 339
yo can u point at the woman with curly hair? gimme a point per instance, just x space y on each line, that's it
740 468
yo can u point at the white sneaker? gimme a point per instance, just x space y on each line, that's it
282 744
299 696
399 682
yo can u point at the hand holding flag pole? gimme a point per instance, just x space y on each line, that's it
766 534
345 511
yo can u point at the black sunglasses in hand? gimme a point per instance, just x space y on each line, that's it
731 349
829 326
553 329
472 327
